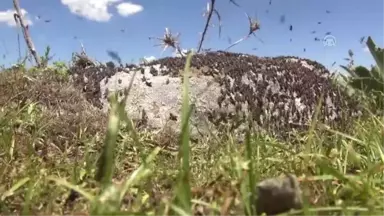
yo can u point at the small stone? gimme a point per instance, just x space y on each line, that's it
278 195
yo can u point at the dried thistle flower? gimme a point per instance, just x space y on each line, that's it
254 25
169 40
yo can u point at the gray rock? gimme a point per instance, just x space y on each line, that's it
278 195
163 99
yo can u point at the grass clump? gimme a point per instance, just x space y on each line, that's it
60 155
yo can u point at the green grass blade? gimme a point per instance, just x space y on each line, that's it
117 113
125 213
251 177
179 211
311 132
138 174
76 188
127 120
377 55
14 188
326 127
26 210
332 171
328 209
183 190
106 163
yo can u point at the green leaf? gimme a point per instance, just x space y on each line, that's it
351 72
362 71
183 190
377 53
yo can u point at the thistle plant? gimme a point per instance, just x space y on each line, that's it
254 25
169 40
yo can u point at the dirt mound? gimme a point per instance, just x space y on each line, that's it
281 93
64 111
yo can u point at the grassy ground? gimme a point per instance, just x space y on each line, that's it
59 155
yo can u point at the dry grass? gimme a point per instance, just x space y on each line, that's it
51 139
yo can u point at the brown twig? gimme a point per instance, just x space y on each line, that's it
18 37
234 3
19 18
210 10
18 44
219 18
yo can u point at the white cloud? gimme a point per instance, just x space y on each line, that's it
96 10
7 17
127 8
183 51
366 49
150 58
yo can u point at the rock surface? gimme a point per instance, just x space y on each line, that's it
281 93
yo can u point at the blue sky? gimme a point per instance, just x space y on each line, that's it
348 21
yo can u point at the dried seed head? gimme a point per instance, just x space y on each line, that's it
168 40
254 24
